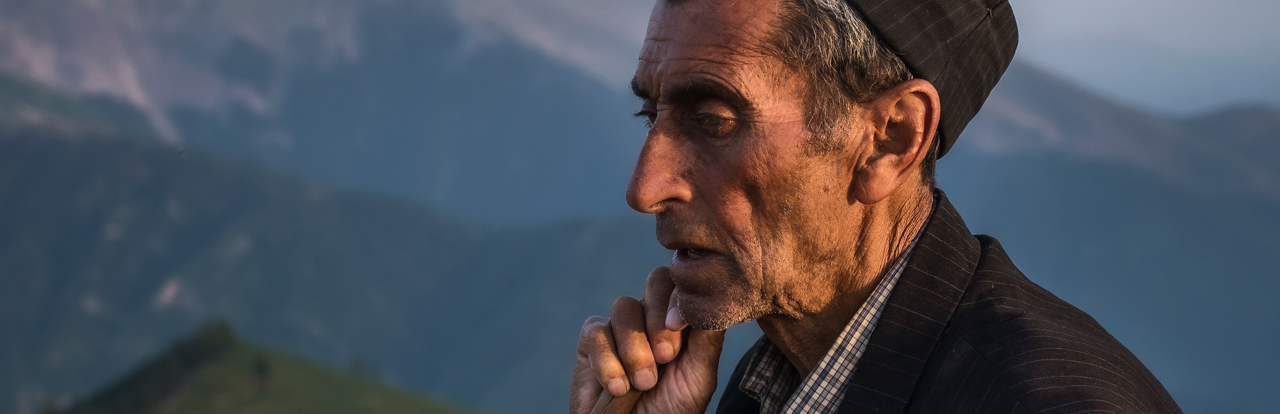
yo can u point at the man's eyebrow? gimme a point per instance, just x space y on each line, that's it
639 91
703 88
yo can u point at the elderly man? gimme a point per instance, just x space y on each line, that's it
789 164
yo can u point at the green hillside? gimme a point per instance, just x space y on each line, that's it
214 372
110 249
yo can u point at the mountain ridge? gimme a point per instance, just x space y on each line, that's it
1032 111
401 97
128 244
214 371
443 203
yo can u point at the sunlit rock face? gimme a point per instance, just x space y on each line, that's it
453 106
158 54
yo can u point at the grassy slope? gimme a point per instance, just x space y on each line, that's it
213 372
295 386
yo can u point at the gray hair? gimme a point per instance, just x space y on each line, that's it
846 64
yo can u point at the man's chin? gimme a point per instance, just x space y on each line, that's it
712 293
713 313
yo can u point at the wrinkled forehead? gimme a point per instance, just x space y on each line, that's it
685 34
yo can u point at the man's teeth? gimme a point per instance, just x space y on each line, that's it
694 253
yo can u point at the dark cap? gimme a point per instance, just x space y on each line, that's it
961 46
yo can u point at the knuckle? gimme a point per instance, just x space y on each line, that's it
657 274
624 302
607 366
594 335
593 323
652 278
627 327
637 358
634 350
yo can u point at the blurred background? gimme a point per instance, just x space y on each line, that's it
411 205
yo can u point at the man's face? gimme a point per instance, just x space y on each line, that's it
728 167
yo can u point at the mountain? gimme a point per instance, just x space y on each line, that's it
495 110
110 248
395 96
214 372
268 163
26 105
1227 152
499 132
113 247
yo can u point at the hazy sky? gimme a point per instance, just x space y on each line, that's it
1173 56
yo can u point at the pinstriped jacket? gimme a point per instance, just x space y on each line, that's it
965 332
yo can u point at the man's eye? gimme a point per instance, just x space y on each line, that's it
648 116
715 126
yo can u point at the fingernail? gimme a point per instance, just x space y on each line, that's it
674 321
645 380
664 352
617 387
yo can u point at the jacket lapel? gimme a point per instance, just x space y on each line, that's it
915 316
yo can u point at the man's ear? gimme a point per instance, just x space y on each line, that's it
904 120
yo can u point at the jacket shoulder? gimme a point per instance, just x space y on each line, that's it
1035 352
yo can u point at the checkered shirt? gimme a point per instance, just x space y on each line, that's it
776 384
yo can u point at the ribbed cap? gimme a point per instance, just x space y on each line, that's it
961 46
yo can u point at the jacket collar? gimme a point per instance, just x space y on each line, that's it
916 314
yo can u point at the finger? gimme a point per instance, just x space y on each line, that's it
596 344
658 291
627 321
585 390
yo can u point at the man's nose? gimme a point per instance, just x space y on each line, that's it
660 177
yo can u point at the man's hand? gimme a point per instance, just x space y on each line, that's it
646 352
